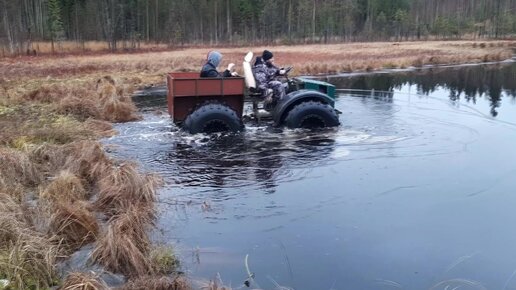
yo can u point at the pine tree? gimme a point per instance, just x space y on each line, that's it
55 24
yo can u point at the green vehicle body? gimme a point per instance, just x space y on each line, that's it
315 85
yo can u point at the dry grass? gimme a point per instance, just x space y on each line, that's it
151 67
65 187
88 46
83 281
27 257
124 186
74 224
31 125
17 171
84 159
125 246
157 283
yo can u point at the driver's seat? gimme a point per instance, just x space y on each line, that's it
250 81
254 92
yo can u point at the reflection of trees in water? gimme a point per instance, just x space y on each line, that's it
235 161
468 82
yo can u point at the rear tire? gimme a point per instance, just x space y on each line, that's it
211 118
310 115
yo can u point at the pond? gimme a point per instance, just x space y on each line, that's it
415 189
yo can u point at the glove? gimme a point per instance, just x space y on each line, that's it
282 71
231 66
234 74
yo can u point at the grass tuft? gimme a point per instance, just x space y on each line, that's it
65 187
17 171
125 247
83 281
164 260
74 224
27 257
123 186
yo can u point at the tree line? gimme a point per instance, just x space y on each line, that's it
222 22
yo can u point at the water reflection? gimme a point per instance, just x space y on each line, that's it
258 158
463 82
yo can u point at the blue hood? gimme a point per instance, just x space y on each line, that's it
214 57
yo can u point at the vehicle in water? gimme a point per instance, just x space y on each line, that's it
207 105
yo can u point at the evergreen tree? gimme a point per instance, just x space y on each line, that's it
55 24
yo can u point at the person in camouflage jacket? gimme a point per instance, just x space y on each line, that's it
265 73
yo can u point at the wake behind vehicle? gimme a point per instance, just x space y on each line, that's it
207 105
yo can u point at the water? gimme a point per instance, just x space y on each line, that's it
415 190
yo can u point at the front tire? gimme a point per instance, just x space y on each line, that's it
310 115
211 118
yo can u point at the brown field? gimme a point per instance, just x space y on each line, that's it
59 190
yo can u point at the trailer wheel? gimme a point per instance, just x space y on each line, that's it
312 114
211 118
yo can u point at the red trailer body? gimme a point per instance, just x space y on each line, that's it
186 91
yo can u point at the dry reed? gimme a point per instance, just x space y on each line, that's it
124 186
65 187
125 247
17 171
85 159
74 224
83 281
27 257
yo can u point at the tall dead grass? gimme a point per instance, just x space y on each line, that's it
125 246
27 257
74 224
124 186
17 172
103 99
66 186
84 159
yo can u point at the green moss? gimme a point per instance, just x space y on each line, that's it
164 260
6 110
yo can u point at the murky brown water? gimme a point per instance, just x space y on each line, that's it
415 190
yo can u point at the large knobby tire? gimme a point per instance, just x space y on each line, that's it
312 114
211 118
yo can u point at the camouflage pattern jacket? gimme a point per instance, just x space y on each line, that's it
264 74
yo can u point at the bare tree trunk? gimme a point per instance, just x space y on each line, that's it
147 24
313 22
290 19
8 30
76 3
228 16
156 14
216 23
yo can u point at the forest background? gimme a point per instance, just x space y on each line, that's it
39 26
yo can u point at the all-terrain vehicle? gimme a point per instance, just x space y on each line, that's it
206 105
